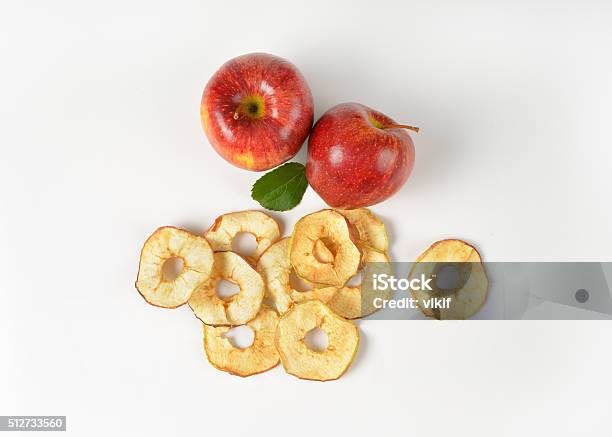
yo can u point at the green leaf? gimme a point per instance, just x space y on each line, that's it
282 188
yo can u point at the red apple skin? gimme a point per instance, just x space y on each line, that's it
352 163
257 111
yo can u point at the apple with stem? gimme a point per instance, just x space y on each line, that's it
257 111
357 156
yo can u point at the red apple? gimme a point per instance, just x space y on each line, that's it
358 156
257 111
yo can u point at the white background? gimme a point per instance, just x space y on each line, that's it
101 143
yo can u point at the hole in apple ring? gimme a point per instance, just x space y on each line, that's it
172 268
316 340
241 337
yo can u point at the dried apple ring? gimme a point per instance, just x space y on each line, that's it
275 269
371 229
469 293
263 227
164 244
322 249
301 361
358 301
237 309
257 358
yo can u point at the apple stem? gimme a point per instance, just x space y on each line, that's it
401 126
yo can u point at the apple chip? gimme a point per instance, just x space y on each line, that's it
467 286
371 230
237 309
301 361
164 244
263 227
323 294
358 301
257 358
322 249
275 269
